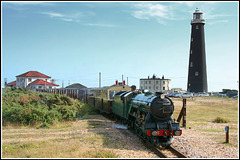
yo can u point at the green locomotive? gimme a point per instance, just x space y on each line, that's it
149 114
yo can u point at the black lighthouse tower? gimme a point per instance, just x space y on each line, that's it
197 74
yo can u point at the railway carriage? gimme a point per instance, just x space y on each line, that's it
102 97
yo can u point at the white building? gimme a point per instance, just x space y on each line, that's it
33 80
155 84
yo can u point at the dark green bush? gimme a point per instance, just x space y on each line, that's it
28 107
220 120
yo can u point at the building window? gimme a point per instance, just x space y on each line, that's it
196 73
146 82
191 64
50 87
29 79
149 82
164 88
191 39
197 27
157 88
39 86
156 82
191 52
149 87
163 82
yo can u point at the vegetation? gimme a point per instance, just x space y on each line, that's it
27 107
68 139
229 90
207 109
220 120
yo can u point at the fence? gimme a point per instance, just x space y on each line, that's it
76 93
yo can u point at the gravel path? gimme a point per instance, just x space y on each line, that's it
202 146
192 143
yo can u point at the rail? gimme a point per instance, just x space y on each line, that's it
169 152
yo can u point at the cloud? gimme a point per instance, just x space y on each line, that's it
100 25
53 14
75 17
30 3
149 10
218 21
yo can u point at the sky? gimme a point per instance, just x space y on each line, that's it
73 41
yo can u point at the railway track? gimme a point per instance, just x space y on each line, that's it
168 152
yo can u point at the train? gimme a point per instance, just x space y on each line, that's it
147 113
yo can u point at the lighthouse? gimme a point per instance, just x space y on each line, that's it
197 74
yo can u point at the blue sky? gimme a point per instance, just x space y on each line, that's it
77 40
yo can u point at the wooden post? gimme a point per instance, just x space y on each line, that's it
227 134
184 113
180 115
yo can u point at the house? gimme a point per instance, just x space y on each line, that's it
11 84
76 85
32 80
155 84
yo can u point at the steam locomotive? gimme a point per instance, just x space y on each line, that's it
148 114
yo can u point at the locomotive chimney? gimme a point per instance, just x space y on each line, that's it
116 82
124 82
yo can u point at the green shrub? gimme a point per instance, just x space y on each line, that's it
27 107
220 120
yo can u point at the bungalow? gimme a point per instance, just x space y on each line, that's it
32 80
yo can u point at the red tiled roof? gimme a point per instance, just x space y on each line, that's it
41 82
11 83
33 74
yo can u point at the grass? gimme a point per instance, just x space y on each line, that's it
67 140
203 113
208 109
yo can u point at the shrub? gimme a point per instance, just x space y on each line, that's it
220 120
28 107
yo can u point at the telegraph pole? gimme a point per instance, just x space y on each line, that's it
99 79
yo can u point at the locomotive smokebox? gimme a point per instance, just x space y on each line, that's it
162 109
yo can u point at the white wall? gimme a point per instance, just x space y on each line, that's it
155 85
24 81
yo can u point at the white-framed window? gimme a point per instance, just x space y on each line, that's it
149 82
146 82
157 88
156 82
149 87
164 88
40 87
29 79
163 82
